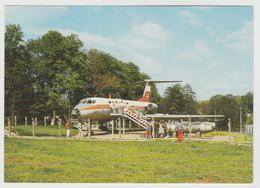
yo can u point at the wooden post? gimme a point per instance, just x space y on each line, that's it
25 119
119 123
123 126
59 127
229 129
9 126
45 121
33 124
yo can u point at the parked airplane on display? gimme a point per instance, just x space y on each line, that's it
99 109
106 109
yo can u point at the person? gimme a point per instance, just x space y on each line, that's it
67 126
52 122
161 131
180 135
80 129
148 132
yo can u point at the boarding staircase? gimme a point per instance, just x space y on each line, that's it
133 116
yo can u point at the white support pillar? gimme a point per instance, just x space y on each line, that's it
119 123
130 124
25 120
123 126
36 121
113 123
89 129
189 124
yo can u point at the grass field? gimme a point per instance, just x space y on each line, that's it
41 130
238 138
34 160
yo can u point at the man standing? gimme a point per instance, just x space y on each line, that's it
67 126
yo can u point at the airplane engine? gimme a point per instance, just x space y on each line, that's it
151 106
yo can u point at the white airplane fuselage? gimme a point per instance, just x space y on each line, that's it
99 109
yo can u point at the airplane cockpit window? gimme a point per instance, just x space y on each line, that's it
89 101
94 101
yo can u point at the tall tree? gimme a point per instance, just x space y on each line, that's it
14 68
60 63
226 105
247 107
179 100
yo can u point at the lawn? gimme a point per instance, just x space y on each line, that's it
61 160
41 130
238 138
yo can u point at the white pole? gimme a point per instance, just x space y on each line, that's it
229 129
123 125
59 126
44 120
113 122
189 122
240 114
33 124
153 128
130 124
119 121
89 129
36 122
25 119
15 121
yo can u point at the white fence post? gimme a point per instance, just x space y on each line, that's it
15 121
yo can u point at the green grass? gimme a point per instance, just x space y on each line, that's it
238 138
34 160
41 130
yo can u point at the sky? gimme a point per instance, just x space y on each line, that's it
208 47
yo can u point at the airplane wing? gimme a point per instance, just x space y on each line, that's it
171 116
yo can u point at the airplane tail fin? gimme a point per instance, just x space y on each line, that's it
147 90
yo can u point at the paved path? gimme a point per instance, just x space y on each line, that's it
127 137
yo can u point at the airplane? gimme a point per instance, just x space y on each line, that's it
174 122
99 108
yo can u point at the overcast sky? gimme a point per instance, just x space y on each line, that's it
210 48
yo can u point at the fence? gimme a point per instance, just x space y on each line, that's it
248 129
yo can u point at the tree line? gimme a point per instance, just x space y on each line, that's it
49 75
